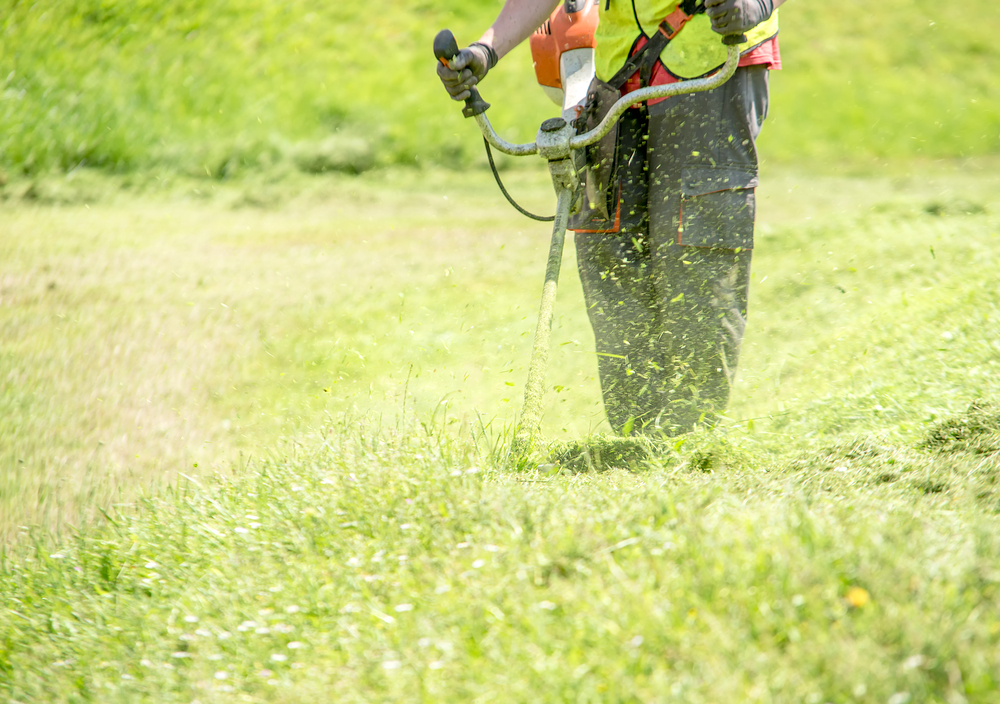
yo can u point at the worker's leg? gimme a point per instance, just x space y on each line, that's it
619 290
702 296
703 169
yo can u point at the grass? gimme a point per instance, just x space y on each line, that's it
214 89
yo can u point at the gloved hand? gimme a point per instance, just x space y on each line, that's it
737 16
466 69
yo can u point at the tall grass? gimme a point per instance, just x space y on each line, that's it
404 564
216 88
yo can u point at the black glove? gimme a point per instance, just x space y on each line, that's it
466 69
737 16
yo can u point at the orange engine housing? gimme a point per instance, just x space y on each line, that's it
571 26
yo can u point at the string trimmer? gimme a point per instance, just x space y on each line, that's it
559 143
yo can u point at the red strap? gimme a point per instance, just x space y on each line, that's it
673 23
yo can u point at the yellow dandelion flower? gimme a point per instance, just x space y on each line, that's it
858 597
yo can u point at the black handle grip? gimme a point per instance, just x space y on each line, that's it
446 48
731 39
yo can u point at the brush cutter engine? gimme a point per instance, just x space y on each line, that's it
563 52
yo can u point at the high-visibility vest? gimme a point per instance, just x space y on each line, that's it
696 51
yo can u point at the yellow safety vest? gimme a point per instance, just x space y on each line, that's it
697 50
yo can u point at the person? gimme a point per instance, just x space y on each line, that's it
665 261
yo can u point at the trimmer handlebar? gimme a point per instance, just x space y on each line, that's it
579 141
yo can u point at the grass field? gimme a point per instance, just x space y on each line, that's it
336 373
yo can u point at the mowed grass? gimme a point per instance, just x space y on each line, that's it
349 362
151 338
147 337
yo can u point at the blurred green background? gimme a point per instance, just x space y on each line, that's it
216 87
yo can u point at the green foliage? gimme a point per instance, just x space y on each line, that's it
219 87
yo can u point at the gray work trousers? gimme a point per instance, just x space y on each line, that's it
667 292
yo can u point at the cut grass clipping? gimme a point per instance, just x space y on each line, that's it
977 432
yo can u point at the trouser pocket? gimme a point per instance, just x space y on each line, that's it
717 207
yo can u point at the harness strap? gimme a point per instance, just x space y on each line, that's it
645 59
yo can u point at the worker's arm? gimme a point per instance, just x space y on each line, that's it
515 23
737 16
